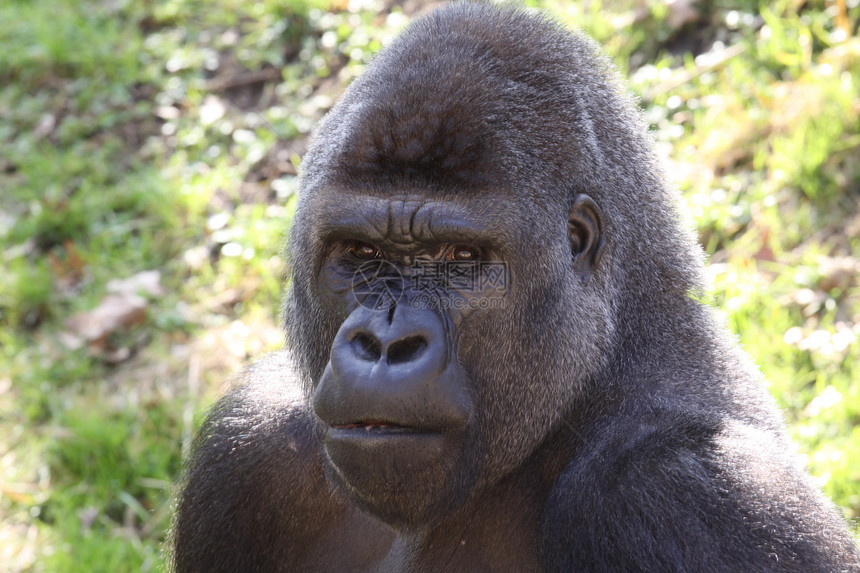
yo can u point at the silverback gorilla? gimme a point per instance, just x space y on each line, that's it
497 360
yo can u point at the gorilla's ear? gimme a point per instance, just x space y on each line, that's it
585 231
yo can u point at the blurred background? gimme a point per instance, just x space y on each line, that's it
148 160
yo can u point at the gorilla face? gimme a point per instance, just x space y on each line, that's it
397 405
421 287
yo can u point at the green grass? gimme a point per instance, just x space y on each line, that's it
129 143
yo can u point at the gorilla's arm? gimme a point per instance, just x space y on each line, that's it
673 492
260 501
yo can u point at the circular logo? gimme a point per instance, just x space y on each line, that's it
377 285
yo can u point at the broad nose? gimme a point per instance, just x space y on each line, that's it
399 339
397 366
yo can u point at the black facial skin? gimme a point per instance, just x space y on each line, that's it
495 362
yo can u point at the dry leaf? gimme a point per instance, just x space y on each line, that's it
116 311
146 282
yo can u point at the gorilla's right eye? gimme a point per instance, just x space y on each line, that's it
463 253
364 251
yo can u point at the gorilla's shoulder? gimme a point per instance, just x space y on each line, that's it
259 497
651 441
685 452
264 415
639 496
702 488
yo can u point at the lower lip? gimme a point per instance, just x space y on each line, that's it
385 441
379 461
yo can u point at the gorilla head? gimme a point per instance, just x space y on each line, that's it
465 151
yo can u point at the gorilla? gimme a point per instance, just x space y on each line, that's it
499 358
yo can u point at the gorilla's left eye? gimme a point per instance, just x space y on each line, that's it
364 251
463 253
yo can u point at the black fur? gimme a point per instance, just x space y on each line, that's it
601 419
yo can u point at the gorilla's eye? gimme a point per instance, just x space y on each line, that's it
463 253
364 251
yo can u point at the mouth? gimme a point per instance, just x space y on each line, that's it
380 460
376 427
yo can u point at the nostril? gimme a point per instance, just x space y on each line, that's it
366 346
406 350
